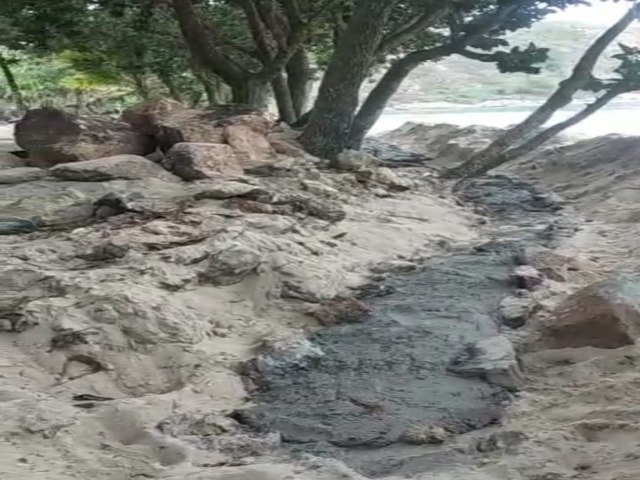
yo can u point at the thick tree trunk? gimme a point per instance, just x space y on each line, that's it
252 92
299 78
581 77
327 133
284 100
14 88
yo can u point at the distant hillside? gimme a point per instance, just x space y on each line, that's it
460 80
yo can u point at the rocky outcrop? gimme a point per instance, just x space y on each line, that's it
446 144
492 358
51 136
603 315
195 161
119 167
21 174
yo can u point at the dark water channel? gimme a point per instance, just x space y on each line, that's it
361 386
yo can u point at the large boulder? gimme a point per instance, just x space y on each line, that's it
124 167
196 161
170 122
51 136
604 315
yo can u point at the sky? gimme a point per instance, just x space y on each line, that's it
600 13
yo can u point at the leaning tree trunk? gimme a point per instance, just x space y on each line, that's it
581 77
387 86
14 88
544 136
327 132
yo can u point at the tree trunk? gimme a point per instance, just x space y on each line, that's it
327 133
299 78
580 78
378 98
253 92
545 135
284 99
202 47
14 88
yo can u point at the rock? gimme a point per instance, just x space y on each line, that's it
8 160
515 310
250 206
328 210
342 310
171 123
231 265
383 176
15 226
425 435
250 145
506 441
21 175
603 315
320 189
195 161
126 167
526 277
446 144
494 360
51 136
354 160
222 190
44 204
18 287
392 153
294 354
104 252
123 313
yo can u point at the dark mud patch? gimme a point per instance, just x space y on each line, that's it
352 391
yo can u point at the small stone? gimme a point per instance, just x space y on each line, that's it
342 310
507 441
425 435
514 311
526 277
493 359
15 226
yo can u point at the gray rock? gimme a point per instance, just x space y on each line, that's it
492 359
231 265
15 226
515 310
7 160
526 277
222 190
507 441
21 175
123 167
425 435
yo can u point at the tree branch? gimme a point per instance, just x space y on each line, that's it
408 31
